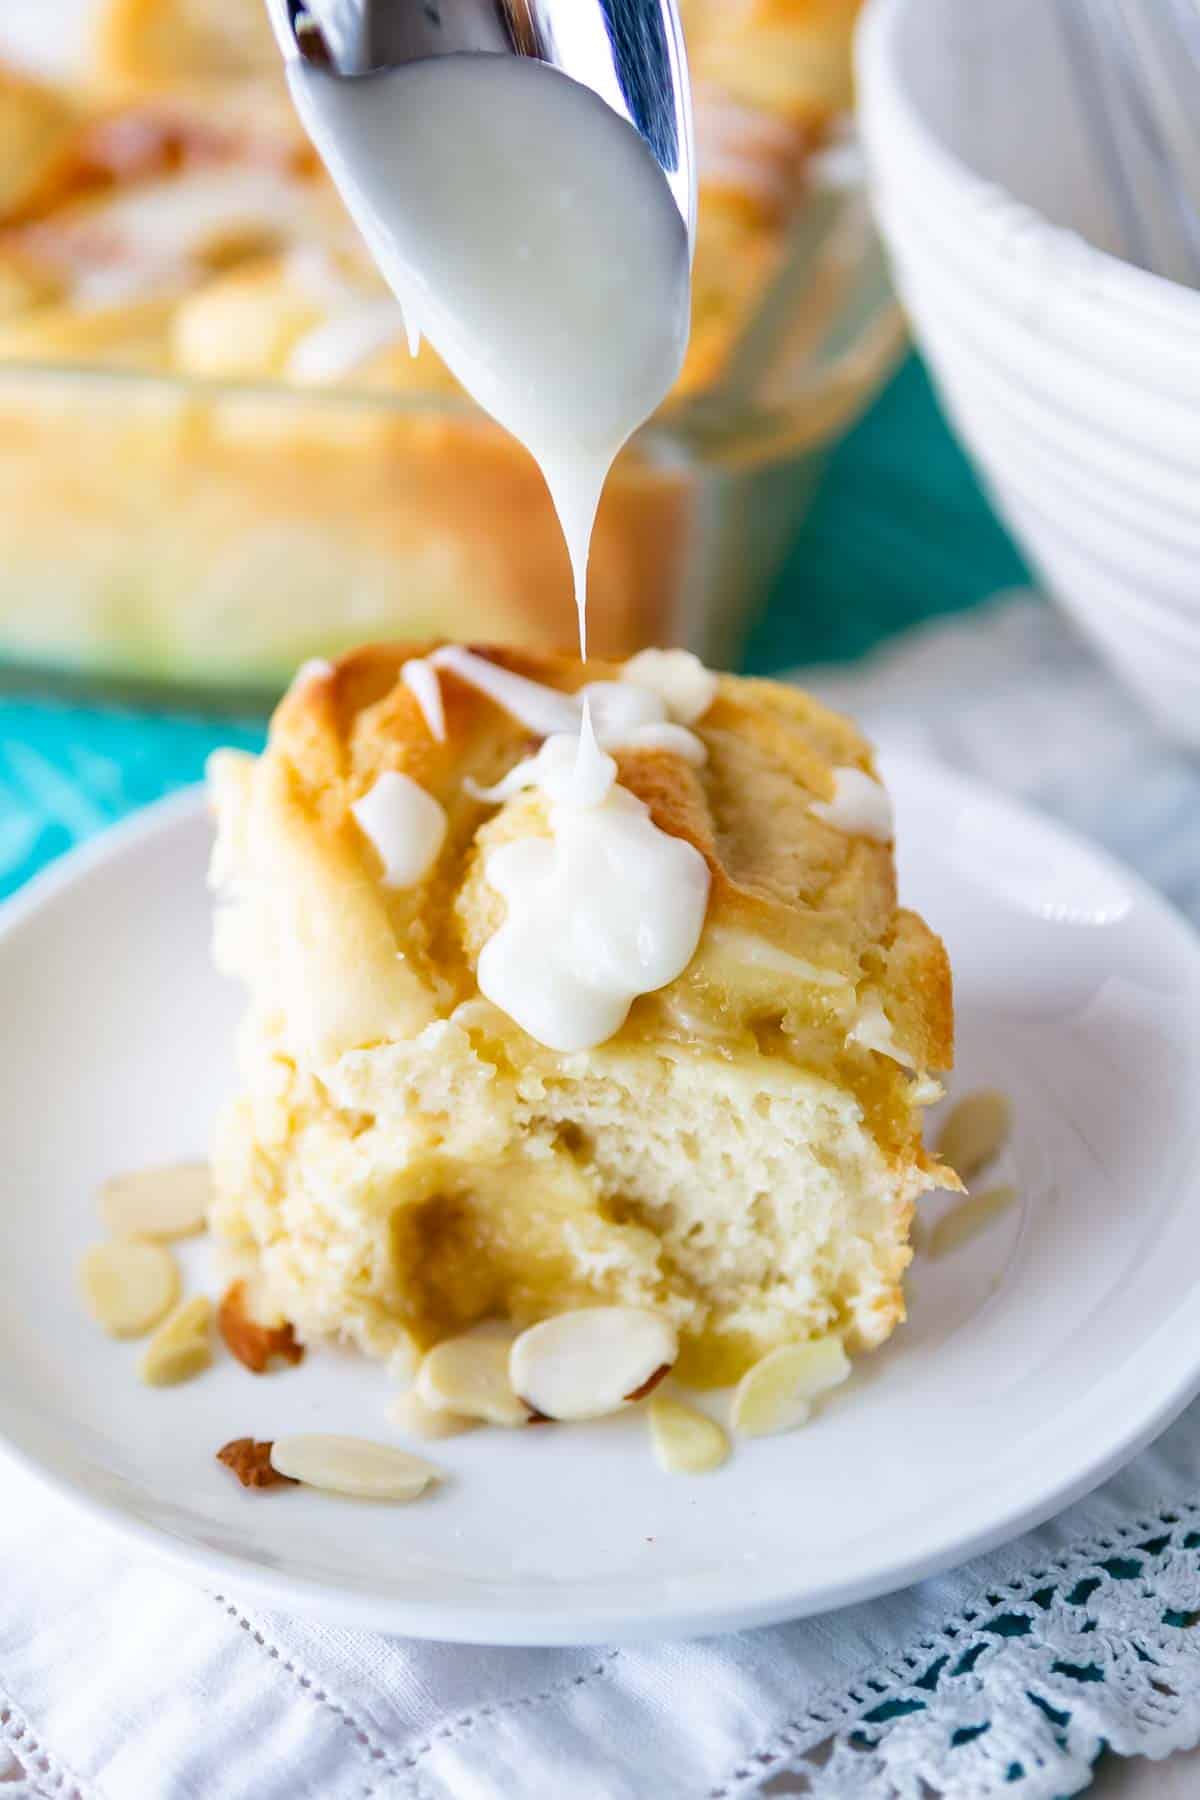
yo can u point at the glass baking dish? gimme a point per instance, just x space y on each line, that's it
202 538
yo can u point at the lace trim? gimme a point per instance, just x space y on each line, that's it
1093 1650
28 1771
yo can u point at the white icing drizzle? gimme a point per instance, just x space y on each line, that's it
604 909
860 806
541 709
406 825
725 123
687 688
595 772
136 239
539 241
552 770
312 269
677 740
531 233
420 678
607 906
341 344
358 325
315 669
625 714
743 147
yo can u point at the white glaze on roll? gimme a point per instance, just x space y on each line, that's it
860 806
345 341
315 669
528 229
420 678
625 714
605 908
687 688
406 825
137 239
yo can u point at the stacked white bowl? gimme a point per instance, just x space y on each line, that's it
1017 195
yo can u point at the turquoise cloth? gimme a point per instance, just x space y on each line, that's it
898 532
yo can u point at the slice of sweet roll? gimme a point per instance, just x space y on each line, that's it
528 1033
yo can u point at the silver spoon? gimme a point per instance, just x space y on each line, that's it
629 52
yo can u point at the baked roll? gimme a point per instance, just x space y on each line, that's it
742 1153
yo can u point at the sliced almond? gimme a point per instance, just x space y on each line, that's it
128 1287
967 1219
351 1465
583 1364
686 1442
181 1347
469 1376
161 1203
777 1393
975 1132
411 1414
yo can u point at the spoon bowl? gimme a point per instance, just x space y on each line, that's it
629 52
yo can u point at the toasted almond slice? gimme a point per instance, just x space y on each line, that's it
968 1219
686 1442
976 1132
351 1465
250 1461
128 1287
410 1412
255 1341
777 1393
469 1376
162 1203
181 1347
583 1364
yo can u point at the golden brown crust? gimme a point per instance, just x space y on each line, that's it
161 43
790 57
36 121
779 873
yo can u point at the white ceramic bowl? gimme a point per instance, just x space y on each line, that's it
1072 375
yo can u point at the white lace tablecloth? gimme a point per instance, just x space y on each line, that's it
1005 1678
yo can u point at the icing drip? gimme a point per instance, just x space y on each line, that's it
406 825
860 806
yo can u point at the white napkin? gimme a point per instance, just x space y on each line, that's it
122 1682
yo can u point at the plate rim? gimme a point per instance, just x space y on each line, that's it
573 1624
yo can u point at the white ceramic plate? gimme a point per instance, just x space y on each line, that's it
1035 1361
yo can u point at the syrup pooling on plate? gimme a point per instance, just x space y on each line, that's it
530 235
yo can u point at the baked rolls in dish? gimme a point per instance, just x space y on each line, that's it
742 1153
187 311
